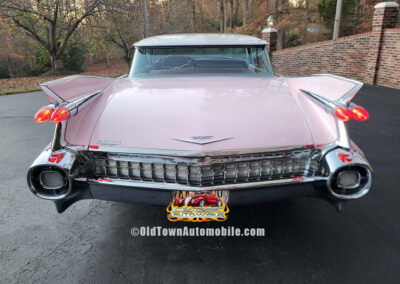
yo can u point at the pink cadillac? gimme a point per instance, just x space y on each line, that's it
200 112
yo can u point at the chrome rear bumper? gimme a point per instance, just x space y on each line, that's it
323 185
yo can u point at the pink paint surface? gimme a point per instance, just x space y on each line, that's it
254 112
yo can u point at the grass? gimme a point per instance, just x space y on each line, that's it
19 90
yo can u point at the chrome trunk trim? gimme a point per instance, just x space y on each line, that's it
188 153
180 187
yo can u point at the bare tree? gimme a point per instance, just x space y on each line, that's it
194 24
245 11
338 16
305 27
221 16
231 14
225 14
118 22
51 22
146 17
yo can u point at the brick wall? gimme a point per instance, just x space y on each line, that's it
344 57
372 57
348 57
389 67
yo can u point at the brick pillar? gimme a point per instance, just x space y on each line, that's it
385 16
271 36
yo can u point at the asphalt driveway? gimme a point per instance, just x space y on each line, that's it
307 240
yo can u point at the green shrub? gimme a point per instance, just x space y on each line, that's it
4 69
73 58
39 62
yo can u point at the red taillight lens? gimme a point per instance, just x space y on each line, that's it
343 113
60 114
43 114
359 113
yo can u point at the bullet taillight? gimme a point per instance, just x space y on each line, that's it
359 113
60 114
343 113
43 114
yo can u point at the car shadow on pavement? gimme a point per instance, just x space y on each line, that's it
298 243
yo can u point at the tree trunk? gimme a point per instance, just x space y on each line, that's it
305 27
338 16
201 15
356 15
281 39
231 14
107 60
221 16
245 10
146 17
194 16
127 59
56 63
236 5
225 14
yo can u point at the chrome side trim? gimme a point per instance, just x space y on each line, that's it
329 105
58 139
180 187
339 77
74 107
52 82
343 138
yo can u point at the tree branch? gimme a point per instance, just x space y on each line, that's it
73 27
32 33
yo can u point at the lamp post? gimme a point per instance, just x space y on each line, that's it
270 21
270 35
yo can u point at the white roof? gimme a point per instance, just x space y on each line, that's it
199 40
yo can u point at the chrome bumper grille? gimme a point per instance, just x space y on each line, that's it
205 171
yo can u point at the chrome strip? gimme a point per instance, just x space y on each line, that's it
75 106
343 138
194 153
181 187
52 82
48 83
327 103
339 77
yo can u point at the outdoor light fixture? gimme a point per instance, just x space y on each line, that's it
270 21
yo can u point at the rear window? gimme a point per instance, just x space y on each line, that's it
200 61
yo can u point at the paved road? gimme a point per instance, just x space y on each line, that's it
307 240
